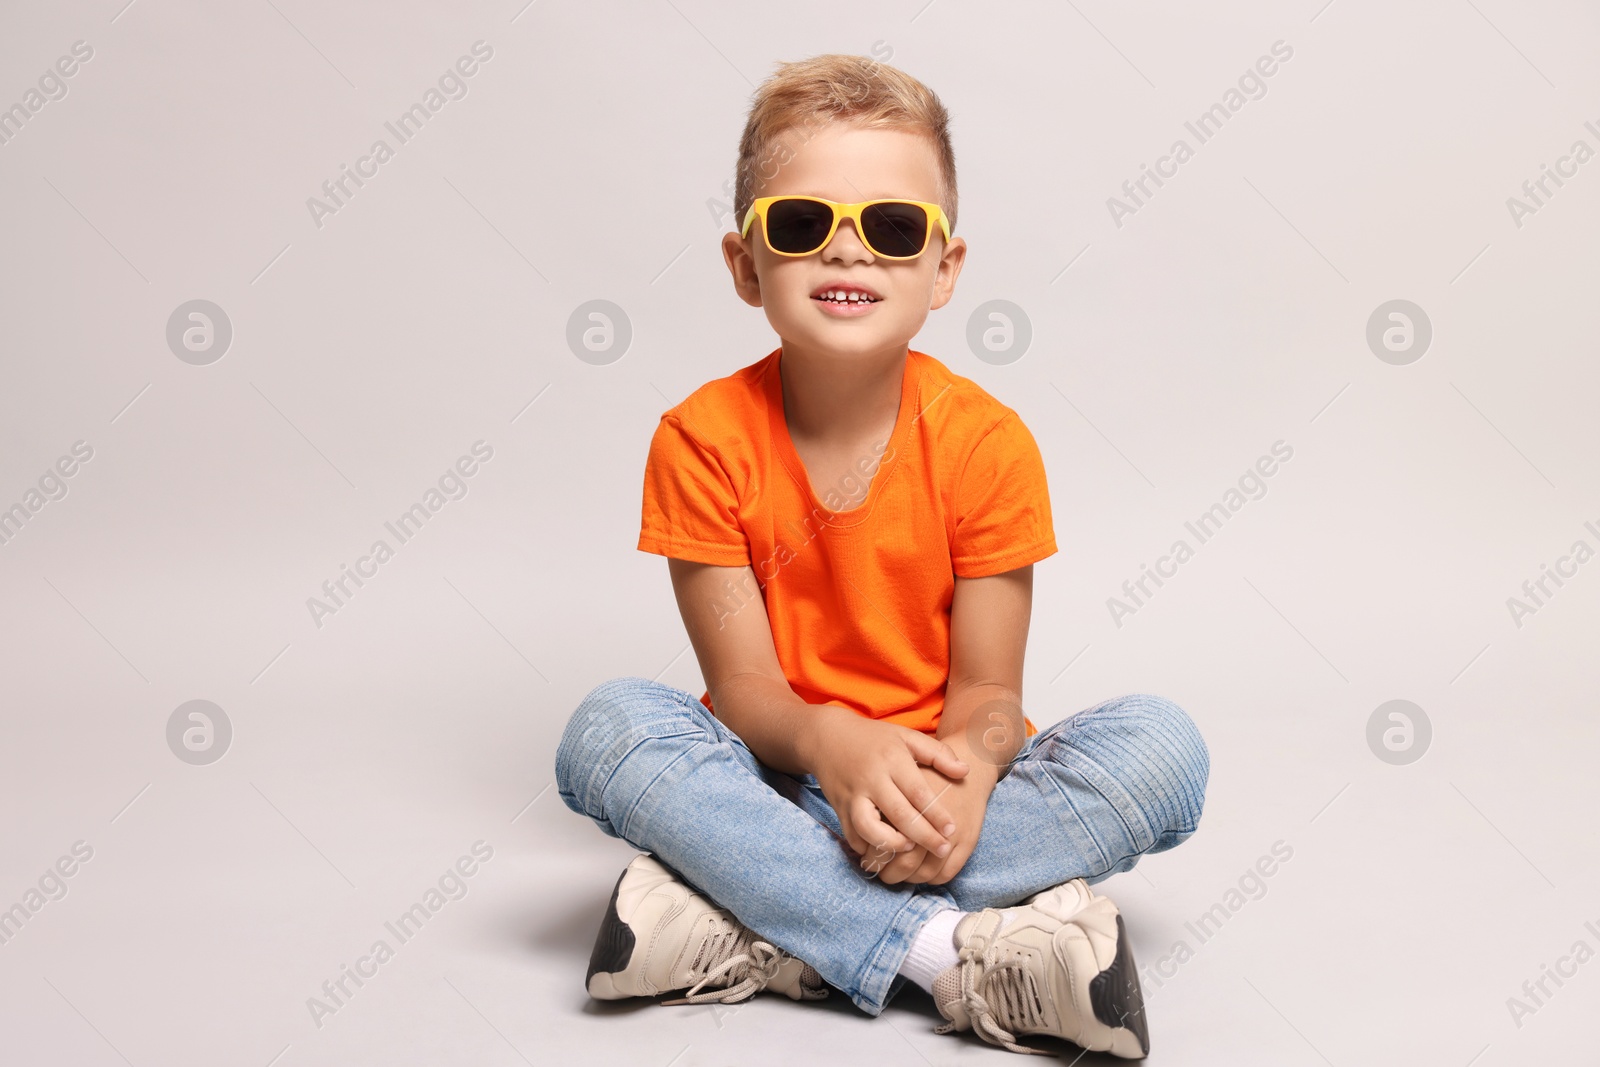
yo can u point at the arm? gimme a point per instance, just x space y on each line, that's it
982 715
864 767
727 624
989 620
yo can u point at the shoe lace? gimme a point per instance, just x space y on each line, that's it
735 961
1000 998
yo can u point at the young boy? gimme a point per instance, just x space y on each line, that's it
857 799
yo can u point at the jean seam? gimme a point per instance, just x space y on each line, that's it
627 817
1066 800
1128 829
1083 824
616 765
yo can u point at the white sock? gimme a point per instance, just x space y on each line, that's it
933 949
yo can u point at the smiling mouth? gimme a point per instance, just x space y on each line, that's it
850 298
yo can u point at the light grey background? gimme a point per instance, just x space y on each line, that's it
588 161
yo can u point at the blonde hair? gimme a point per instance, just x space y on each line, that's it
835 88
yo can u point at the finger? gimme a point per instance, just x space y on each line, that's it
952 864
893 874
911 873
883 865
927 799
847 830
864 837
948 867
878 860
910 822
932 752
874 832
928 869
901 865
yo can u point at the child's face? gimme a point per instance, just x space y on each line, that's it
845 162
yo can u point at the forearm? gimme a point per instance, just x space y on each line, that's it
779 728
984 720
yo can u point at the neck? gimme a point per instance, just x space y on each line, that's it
829 395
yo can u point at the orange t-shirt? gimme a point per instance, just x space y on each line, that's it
858 601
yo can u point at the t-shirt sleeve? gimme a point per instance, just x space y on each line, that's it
690 508
1002 504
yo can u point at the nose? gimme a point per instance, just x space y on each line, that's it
846 245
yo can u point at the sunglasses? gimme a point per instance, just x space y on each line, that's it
801 225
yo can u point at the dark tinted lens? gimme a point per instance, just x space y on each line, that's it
895 229
798 225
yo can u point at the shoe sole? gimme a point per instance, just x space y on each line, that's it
613 948
1117 1000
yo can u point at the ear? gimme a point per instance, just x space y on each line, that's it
737 253
950 262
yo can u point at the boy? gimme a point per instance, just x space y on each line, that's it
857 799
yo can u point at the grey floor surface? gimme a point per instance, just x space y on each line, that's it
1440 905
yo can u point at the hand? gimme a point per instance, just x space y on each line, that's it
968 801
872 774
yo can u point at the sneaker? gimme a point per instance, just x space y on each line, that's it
1059 966
659 935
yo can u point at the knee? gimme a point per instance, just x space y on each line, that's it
1163 760
610 722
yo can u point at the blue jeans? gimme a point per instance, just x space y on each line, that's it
1085 798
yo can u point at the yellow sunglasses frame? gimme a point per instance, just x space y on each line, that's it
840 213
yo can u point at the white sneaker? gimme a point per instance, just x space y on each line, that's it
659 935
1061 967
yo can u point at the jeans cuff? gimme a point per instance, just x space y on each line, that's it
875 985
